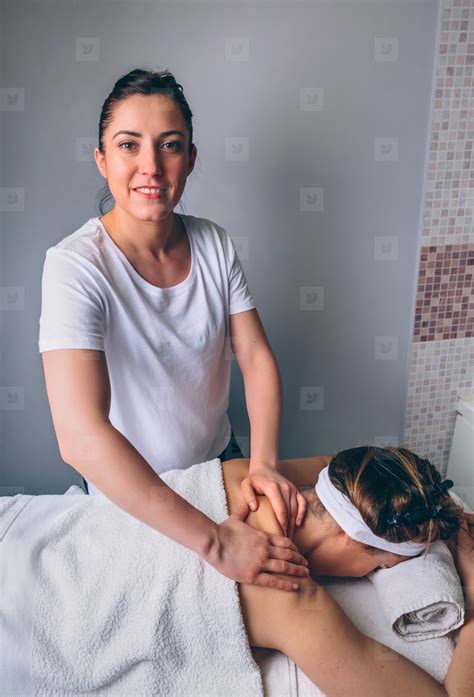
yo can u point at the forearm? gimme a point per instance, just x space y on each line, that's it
263 396
106 458
459 681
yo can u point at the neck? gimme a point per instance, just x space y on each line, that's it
311 533
142 238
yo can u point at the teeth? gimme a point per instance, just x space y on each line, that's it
149 191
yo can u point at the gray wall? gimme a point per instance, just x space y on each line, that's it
249 71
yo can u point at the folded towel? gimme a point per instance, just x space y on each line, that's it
173 628
75 490
422 597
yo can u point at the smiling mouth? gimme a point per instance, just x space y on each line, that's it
149 192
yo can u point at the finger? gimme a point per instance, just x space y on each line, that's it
270 581
291 528
288 555
302 503
281 541
280 566
249 494
242 510
279 506
293 513
469 518
467 521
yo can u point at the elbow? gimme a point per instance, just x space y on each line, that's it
80 447
254 362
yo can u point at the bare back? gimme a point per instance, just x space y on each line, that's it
309 626
264 609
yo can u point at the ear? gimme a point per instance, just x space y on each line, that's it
100 162
346 541
192 160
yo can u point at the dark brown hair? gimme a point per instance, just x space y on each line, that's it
382 482
147 82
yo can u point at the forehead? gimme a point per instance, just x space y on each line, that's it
142 108
385 557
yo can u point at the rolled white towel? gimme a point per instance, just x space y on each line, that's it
422 597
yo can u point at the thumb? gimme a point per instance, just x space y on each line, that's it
249 494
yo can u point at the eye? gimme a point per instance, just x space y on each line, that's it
173 142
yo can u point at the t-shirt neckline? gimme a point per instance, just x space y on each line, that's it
149 287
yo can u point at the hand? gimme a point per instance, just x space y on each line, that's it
287 501
462 549
244 554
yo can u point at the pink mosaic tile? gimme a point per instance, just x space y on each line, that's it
449 200
442 352
445 295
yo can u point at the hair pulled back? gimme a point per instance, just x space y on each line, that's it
147 82
382 482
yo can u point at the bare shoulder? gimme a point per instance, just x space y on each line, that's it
266 611
299 470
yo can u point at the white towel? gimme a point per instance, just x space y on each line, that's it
422 597
27 535
75 490
174 628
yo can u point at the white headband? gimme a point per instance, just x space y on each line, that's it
348 517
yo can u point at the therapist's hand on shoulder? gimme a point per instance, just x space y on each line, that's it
245 554
286 499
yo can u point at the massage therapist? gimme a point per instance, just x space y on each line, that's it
141 311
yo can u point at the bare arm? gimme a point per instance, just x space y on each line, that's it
343 662
105 457
262 382
79 394
459 681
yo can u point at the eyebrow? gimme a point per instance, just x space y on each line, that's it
139 135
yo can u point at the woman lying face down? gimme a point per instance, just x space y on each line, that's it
309 626
380 483
115 593
330 551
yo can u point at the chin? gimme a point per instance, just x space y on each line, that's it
147 216
329 573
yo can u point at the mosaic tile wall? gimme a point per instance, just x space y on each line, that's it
442 353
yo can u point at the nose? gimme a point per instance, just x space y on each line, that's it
150 163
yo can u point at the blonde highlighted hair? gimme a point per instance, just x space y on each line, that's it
383 482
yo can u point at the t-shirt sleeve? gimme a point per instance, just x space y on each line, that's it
72 311
240 297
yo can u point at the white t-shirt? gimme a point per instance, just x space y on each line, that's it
167 349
